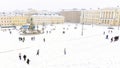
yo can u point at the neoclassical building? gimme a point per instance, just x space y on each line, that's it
38 17
90 16
10 20
110 16
43 17
47 19
105 16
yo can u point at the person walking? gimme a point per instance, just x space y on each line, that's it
20 56
112 39
28 61
106 36
23 39
104 33
64 51
44 39
37 52
24 57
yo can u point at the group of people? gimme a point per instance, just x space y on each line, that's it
113 38
67 28
22 39
107 33
24 57
32 38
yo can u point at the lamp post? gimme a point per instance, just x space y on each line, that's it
82 30
118 16
82 22
118 21
91 16
37 26
43 27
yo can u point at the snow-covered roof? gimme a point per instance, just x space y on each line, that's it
47 16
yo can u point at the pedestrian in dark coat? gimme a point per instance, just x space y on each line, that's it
28 61
32 38
20 56
64 51
24 57
10 32
37 52
106 36
44 39
104 33
63 32
112 39
20 38
23 39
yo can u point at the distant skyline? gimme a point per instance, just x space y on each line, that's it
54 5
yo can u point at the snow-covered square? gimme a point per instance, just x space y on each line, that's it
62 46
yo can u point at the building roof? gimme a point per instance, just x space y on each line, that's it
46 16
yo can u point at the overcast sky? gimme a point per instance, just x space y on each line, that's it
10 5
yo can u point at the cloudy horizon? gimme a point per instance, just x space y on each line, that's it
53 5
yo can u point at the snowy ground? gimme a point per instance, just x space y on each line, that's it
91 50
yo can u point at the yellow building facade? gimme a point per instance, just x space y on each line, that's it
5 21
106 16
90 16
19 20
110 16
10 20
44 19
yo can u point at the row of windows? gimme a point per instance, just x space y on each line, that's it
12 21
104 14
5 24
112 22
10 24
48 18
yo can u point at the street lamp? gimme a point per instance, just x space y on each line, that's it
82 22
91 16
118 17
37 26
118 21
82 30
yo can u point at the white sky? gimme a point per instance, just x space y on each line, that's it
11 5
